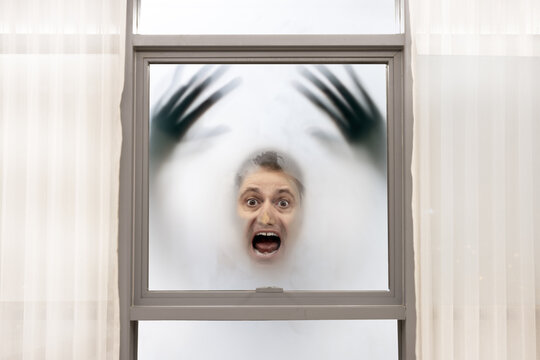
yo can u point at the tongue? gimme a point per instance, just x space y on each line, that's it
266 246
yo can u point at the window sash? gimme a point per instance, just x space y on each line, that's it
139 136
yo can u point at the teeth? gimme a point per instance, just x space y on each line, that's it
267 234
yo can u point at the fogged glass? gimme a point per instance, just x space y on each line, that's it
268 175
268 17
268 340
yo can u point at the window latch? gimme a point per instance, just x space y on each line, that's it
269 289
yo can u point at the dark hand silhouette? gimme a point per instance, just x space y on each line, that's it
355 115
174 116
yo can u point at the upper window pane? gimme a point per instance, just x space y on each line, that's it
198 17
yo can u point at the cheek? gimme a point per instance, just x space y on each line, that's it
245 214
289 218
240 210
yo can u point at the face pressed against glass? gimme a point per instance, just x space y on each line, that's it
268 205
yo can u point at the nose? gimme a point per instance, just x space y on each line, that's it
266 215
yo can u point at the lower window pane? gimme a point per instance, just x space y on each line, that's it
299 339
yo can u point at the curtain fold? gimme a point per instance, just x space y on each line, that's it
61 71
476 73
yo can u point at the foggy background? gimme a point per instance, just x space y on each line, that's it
196 241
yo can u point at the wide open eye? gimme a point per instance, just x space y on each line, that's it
283 203
252 202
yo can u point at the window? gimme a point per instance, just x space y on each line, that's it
154 286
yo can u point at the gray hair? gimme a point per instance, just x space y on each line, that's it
274 161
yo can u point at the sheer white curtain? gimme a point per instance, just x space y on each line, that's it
61 75
476 69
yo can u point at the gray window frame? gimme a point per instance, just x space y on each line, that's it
138 303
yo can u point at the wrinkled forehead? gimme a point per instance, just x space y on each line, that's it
261 179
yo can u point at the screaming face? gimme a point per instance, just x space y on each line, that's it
268 203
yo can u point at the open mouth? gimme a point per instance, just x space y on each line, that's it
266 243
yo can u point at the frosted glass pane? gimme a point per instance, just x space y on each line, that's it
263 181
268 340
267 17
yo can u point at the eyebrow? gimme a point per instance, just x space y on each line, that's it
252 189
285 191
